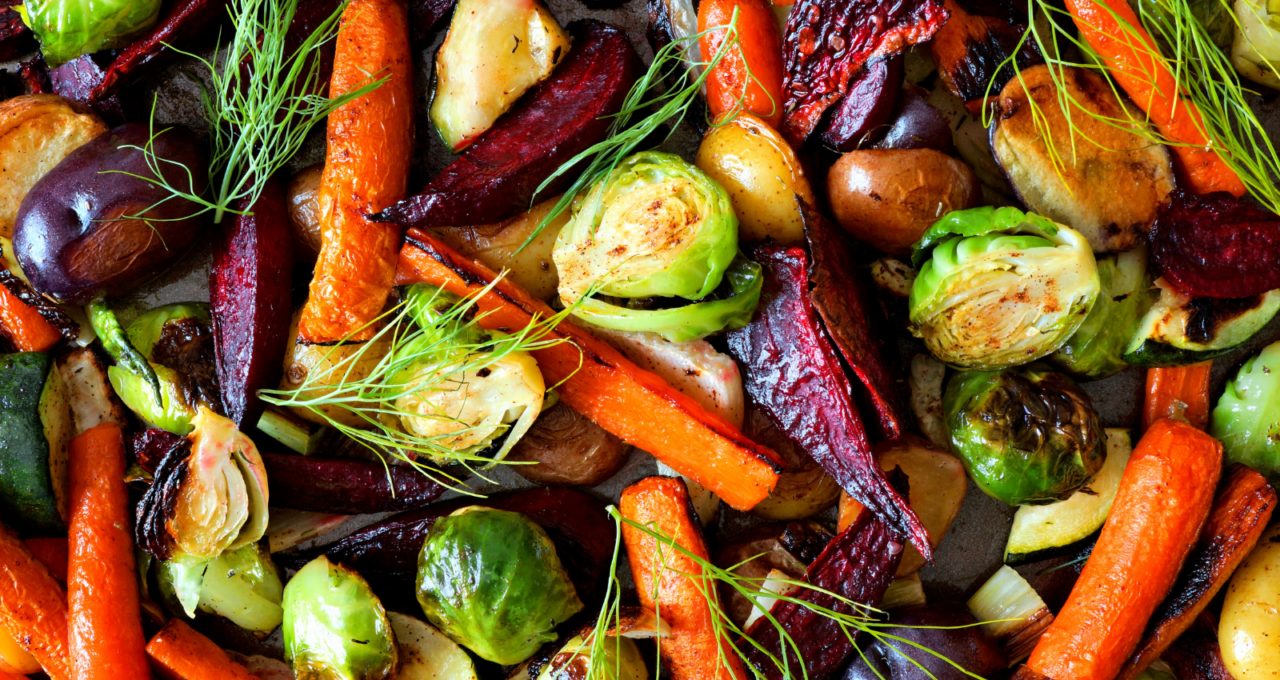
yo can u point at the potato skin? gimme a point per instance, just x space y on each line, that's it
888 198
1249 631
76 235
36 132
569 449
497 246
1111 180
303 199
762 175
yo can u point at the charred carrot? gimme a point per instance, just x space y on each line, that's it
1240 514
749 76
52 552
599 382
1180 393
33 609
23 326
366 170
105 626
694 651
1162 503
1113 30
182 653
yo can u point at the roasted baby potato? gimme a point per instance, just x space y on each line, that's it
304 211
762 175
317 366
1250 625
1107 181
36 132
888 198
497 246
569 449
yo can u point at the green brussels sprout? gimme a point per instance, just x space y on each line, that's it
1247 417
491 580
1127 291
69 28
242 586
999 287
688 322
335 628
186 327
1255 50
1027 436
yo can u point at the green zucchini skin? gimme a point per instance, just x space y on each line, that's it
27 496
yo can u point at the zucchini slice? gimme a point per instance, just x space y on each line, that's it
1180 330
36 428
1043 531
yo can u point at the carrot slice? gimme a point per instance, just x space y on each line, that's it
23 326
366 169
1180 393
105 627
1115 33
181 653
759 49
1163 501
693 652
33 608
52 552
599 382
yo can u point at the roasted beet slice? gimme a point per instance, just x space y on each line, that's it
15 38
249 293
345 486
840 296
867 107
828 41
578 524
858 566
496 177
35 76
972 51
149 447
792 371
424 15
76 81
185 25
1216 245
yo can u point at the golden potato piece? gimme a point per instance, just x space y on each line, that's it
497 246
36 132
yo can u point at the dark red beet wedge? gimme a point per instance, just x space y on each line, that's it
1217 245
867 107
345 486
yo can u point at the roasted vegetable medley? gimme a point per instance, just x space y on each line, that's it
626 339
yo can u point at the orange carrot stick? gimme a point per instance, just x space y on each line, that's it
181 653
1180 393
105 625
33 608
599 382
366 169
1163 501
23 325
693 651
5 675
52 552
1113 30
759 49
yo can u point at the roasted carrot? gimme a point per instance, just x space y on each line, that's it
1162 503
23 326
33 608
1113 30
665 582
14 660
6 675
849 511
52 552
181 653
599 382
105 625
1240 514
366 169
751 75
1180 393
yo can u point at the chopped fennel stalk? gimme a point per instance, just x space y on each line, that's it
260 102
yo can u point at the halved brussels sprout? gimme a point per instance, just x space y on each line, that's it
335 628
491 581
655 227
1127 291
70 28
1247 417
242 586
999 287
1027 436
177 342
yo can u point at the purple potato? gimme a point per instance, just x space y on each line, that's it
969 647
86 228
917 125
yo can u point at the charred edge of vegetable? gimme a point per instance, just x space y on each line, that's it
67 327
186 345
160 502
185 19
15 38
148 448
1197 655
972 53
